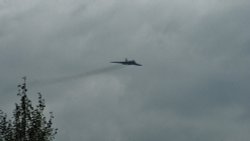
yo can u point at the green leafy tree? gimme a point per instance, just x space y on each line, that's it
28 122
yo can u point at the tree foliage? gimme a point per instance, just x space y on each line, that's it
28 122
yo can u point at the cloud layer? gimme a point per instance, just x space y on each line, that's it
193 84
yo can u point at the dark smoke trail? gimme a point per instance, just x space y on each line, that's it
50 81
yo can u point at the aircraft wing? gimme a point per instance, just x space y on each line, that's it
138 64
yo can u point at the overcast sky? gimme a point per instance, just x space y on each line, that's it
193 85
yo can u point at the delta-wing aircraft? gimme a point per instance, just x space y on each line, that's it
127 62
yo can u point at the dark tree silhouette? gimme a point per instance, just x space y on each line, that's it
28 122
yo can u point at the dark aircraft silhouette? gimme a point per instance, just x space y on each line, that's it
128 62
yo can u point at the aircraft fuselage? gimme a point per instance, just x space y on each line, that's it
126 62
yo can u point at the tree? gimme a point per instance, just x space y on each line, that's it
28 122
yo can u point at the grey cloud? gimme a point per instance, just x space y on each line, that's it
193 84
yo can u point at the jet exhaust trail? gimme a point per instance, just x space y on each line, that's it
50 81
